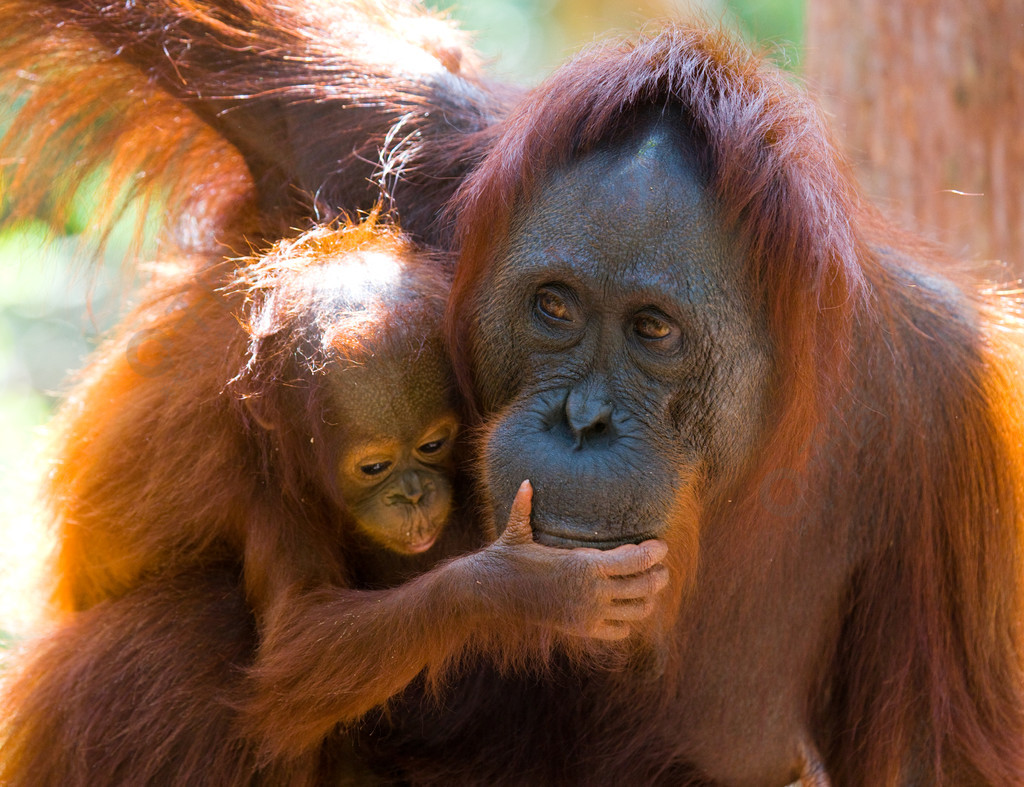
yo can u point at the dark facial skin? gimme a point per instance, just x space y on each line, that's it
616 345
395 465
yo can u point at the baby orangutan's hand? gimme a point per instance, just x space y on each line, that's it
583 591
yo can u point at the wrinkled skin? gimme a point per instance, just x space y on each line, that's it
618 347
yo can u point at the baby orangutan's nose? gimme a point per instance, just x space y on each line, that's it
408 489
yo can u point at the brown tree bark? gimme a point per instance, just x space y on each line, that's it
928 96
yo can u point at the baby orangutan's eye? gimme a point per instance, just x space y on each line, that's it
433 446
375 469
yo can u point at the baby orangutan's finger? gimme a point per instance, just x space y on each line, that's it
627 559
631 611
640 586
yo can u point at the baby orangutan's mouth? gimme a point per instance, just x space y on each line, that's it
421 530
419 545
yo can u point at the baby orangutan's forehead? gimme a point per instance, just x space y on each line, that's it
397 398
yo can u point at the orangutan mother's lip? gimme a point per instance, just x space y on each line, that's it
574 541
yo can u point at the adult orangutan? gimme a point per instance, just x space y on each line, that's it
674 314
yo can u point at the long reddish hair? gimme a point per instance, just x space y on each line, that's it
924 680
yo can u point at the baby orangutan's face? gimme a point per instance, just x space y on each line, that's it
395 472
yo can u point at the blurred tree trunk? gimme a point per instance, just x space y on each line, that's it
928 96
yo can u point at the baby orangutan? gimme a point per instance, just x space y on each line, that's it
303 557
395 471
351 320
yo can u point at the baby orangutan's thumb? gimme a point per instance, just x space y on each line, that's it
518 530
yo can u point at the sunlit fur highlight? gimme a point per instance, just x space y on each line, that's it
245 117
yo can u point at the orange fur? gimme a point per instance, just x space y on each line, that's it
855 603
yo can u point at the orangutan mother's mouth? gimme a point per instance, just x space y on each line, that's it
576 540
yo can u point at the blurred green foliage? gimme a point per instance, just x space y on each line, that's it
526 39
778 23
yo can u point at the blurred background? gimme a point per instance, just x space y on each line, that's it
526 39
926 95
